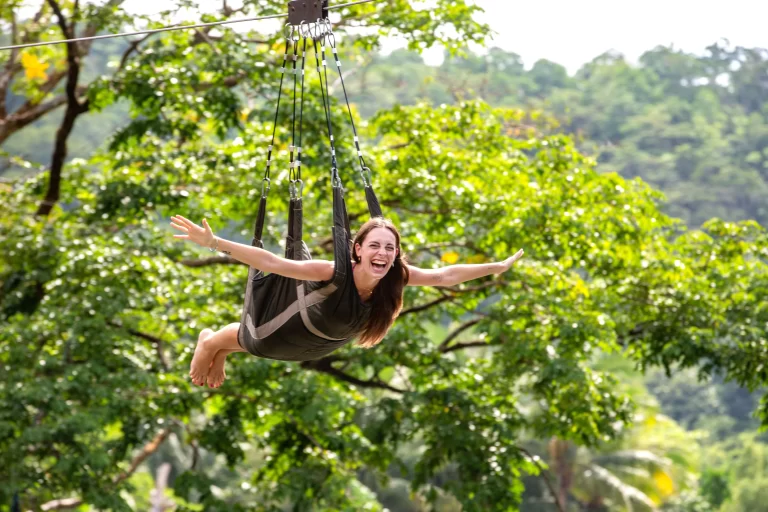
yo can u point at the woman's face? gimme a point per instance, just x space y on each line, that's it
377 252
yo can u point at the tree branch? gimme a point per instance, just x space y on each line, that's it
255 41
545 474
213 260
201 36
478 287
324 366
155 340
428 305
463 327
450 293
230 81
19 119
12 66
132 48
466 344
145 452
74 109
22 117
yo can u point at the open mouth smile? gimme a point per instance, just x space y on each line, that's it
379 264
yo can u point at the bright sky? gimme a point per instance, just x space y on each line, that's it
574 32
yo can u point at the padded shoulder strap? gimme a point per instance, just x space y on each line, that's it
374 208
258 227
341 236
295 248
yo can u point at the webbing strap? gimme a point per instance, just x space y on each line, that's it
277 108
301 115
332 43
374 208
335 181
258 227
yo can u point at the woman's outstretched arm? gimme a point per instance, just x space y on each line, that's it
456 274
310 270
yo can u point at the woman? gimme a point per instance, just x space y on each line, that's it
380 272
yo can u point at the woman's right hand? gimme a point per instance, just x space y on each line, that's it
201 235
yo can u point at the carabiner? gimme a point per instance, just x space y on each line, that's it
265 187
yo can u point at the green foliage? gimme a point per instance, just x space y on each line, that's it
722 409
688 502
748 495
112 272
687 124
100 306
714 487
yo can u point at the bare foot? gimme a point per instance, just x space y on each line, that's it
216 373
201 361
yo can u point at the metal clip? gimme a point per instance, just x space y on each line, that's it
335 179
265 187
366 174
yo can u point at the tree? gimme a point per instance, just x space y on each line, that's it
651 461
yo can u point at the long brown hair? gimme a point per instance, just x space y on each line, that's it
387 297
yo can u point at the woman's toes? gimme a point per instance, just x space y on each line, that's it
216 374
201 360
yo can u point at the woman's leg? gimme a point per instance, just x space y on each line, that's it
208 345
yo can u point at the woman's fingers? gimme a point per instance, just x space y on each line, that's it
513 259
185 221
193 232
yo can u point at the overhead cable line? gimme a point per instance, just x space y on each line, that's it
166 29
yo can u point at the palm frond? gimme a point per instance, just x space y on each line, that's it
628 493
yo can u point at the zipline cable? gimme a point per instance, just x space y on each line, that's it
166 29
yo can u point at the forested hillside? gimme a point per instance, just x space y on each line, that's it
693 126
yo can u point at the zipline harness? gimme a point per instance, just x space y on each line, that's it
282 317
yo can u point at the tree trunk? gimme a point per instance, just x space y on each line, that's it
74 109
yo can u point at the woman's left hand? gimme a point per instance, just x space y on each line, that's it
507 263
201 235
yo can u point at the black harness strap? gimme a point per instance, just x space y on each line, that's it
294 246
258 228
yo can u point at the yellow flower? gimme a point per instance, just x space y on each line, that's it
450 257
664 483
33 68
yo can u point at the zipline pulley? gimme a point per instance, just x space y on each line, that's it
307 11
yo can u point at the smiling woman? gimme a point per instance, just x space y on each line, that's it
359 295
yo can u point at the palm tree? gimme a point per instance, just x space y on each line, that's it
649 465
602 481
